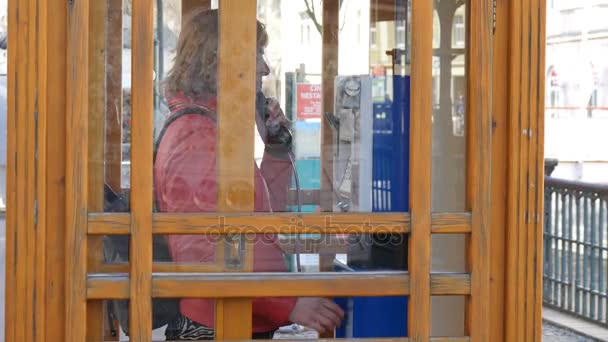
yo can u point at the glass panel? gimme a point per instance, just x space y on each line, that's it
284 252
355 317
369 120
369 117
115 253
110 105
447 316
449 153
448 253
109 127
112 315
351 317
449 74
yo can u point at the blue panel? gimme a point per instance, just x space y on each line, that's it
380 317
391 150
385 316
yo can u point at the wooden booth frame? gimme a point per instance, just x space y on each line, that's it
53 285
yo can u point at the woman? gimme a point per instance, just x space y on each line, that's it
185 181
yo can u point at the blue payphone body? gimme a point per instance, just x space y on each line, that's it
385 316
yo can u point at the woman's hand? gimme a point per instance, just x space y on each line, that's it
320 314
274 119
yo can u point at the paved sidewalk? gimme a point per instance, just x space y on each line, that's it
554 333
559 326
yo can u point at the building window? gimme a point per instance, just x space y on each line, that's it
592 103
305 33
567 4
598 17
373 35
359 27
459 33
400 35
554 98
571 22
308 34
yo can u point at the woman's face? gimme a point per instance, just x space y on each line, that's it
262 69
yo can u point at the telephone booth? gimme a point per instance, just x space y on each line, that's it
152 174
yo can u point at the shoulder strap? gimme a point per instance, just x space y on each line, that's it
173 118
118 202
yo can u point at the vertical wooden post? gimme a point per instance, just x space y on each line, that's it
499 171
96 98
512 291
114 96
478 153
141 171
533 183
76 171
235 168
12 186
535 248
517 185
535 170
420 166
96 138
331 34
40 281
189 5
331 23
34 294
54 218
22 173
525 193
29 176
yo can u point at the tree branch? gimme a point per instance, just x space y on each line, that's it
312 14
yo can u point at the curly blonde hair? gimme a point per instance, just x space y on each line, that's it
194 71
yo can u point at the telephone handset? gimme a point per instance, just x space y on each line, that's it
277 135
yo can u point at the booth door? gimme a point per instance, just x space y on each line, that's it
393 171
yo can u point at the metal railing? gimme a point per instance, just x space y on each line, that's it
575 274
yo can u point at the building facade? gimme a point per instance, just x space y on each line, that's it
576 94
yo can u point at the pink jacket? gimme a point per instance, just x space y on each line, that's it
185 181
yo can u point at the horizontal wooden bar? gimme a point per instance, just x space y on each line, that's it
279 223
108 286
451 223
245 223
450 284
109 224
281 285
246 285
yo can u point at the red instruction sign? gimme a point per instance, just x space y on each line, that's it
309 101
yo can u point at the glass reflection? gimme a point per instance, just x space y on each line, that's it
449 75
449 170
369 120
